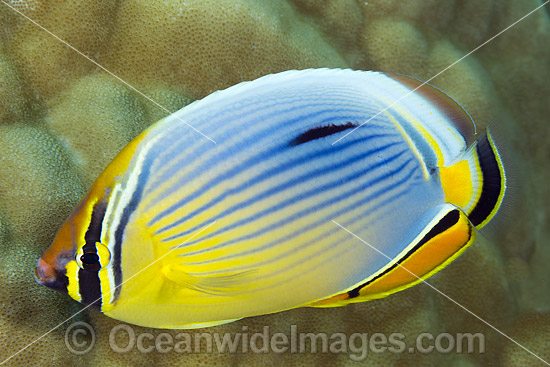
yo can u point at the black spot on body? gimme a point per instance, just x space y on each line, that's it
320 132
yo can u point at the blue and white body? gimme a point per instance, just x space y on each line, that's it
182 232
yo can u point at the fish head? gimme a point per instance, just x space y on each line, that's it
51 267
79 259
76 254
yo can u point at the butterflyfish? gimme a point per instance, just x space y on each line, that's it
181 231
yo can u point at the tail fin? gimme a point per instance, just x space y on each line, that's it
477 184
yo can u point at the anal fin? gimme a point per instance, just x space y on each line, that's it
446 232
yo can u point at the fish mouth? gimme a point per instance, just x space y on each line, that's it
47 275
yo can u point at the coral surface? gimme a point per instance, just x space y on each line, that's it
63 118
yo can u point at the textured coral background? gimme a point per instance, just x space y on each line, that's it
62 119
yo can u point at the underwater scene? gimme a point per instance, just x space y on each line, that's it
318 215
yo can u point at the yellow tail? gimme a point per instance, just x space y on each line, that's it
476 184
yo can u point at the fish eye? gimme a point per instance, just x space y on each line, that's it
89 259
93 256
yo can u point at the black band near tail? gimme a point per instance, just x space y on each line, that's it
492 182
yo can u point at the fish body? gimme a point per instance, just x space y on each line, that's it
181 231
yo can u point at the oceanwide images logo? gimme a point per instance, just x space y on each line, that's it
80 338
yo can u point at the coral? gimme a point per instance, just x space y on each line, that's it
530 329
62 119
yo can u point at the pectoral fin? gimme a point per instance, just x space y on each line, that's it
446 235
228 284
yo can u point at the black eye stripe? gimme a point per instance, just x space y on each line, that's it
89 284
93 234
89 247
90 288
88 276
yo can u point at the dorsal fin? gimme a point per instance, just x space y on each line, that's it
460 119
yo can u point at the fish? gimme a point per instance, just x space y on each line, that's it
305 188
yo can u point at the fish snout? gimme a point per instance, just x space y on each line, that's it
47 275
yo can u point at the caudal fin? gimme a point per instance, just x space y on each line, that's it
477 184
